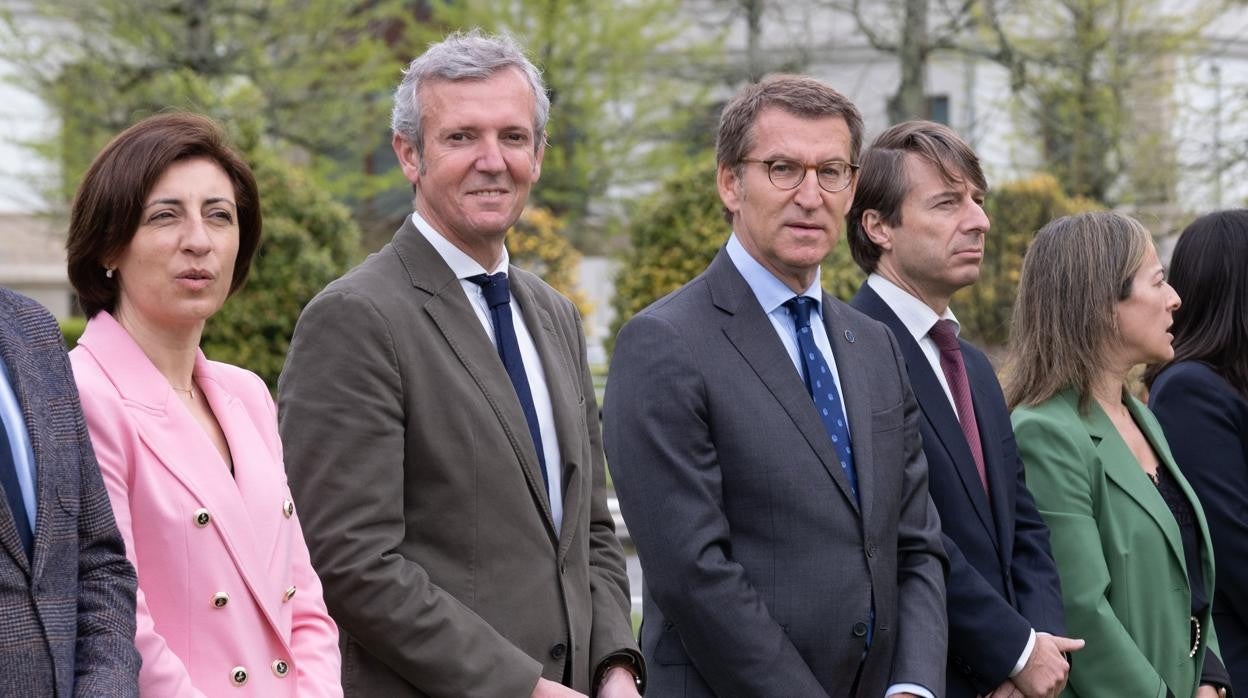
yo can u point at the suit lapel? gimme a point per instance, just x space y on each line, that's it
565 397
935 405
48 426
1152 432
1001 477
751 332
11 348
451 312
1122 467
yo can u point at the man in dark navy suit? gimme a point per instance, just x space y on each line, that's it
917 227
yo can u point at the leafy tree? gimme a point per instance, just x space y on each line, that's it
303 75
1083 72
1017 210
618 101
309 240
911 31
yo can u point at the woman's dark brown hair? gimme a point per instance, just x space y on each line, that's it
109 202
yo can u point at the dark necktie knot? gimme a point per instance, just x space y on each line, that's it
945 334
494 286
800 306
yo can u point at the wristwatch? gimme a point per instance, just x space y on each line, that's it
623 661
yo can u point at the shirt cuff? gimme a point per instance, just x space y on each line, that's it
908 688
1027 650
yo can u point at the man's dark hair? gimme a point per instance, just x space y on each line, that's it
883 184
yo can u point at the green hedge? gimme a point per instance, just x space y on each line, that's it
72 328
309 240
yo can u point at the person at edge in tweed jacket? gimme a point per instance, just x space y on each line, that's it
66 588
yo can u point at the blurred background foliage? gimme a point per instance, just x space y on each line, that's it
309 240
304 87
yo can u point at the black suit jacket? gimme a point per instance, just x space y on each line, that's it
66 613
1002 579
760 566
1206 423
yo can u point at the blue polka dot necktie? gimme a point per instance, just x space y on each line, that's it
822 388
498 297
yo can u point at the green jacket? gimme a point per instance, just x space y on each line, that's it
1118 550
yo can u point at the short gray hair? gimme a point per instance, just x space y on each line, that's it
471 55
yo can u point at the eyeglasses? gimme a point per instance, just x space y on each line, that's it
833 175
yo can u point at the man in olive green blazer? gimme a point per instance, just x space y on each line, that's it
464 550
1118 549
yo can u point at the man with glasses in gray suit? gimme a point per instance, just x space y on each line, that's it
764 442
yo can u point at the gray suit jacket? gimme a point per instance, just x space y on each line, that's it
67 614
759 566
422 501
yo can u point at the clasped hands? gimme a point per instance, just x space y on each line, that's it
1046 671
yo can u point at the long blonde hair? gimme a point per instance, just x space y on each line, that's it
1075 271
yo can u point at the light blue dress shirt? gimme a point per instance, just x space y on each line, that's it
19 440
772 293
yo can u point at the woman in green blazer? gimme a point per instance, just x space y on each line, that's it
1127 532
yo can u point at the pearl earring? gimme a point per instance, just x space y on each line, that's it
108 272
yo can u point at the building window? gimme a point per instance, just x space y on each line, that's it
938 109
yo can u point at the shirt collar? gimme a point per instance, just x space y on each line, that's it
770 291
460 263
913 313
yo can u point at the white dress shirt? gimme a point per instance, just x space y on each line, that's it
918 319
463 267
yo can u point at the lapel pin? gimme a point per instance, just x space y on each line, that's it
849 336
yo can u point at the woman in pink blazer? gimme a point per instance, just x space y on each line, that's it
163 229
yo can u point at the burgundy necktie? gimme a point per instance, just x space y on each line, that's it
944 333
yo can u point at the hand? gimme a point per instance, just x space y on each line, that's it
618 683
1046 670
1006 690
550 689
1207 691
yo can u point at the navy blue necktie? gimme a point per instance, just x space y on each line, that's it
498 297
822 388
13 490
